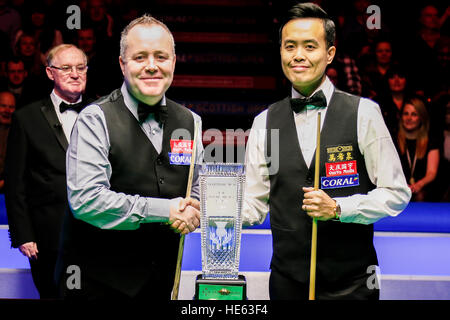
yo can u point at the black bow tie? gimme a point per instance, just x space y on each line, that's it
158 110
317 100
76 106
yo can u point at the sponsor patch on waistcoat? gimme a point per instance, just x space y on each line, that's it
339 153
339 181
340 168
181 152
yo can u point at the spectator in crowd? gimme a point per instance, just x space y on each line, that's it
5 53
430 25
7 107
333 75
443 57
347 73
100 64
418 150
125 11
357 38
10 22
39 26
425 79
374 72
100 20
25 89
392 101
28 51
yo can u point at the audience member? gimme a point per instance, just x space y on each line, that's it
7 107
425 79
333 74
347 71
443 56
27 49
392 101
25 89
10 22
5 53
357 38
100 63
100 20
40 27
418 150
374 70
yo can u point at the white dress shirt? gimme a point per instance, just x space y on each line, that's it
68 117
89 172
391 194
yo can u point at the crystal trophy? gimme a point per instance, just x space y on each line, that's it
221 194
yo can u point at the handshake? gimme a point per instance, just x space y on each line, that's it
185 218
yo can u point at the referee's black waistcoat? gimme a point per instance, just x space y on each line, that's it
127 259
344 250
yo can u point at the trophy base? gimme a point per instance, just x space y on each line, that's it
220 289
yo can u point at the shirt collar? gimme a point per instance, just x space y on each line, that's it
56 100
327 88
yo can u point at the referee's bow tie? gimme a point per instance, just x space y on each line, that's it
75 106
159 110
317 100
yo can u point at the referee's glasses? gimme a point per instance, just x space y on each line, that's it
65 70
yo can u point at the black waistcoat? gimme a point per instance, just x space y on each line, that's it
343 249
127 259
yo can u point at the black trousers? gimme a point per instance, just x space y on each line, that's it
282 287
158 288
42 271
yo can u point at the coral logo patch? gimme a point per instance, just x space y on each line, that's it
339 181
180 159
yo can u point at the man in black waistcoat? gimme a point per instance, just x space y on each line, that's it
128 167
361 179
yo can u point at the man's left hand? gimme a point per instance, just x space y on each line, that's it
318 204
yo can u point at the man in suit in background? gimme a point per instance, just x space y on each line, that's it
35 169
7 107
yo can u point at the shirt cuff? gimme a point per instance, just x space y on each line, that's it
159 209
348 209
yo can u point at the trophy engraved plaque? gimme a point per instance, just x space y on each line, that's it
221 195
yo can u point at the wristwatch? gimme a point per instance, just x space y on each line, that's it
337 211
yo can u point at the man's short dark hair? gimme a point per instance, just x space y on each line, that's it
311 10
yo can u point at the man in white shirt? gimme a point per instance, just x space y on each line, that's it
35 170
361 179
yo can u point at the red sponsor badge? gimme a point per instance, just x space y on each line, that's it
181 146
341 168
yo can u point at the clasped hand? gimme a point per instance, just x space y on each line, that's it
185 218
318 204
29 250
